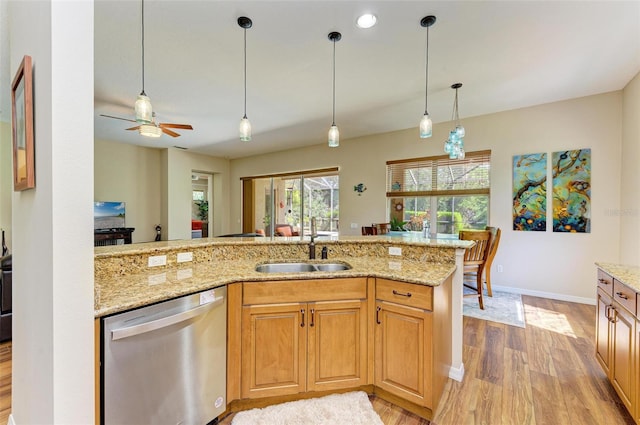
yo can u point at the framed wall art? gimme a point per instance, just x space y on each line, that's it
22 127
572 191
530 192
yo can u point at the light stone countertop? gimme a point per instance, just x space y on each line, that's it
123 281
629 275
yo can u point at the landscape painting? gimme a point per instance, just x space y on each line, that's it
572 191
108 215
530 192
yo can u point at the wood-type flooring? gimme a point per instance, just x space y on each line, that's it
545 374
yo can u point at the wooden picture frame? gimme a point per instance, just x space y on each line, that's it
22 127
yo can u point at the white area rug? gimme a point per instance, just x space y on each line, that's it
337 409
503 307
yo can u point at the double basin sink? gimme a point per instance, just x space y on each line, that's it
283 267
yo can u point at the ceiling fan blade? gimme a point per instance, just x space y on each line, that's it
170 133
117 118
169 125
133 128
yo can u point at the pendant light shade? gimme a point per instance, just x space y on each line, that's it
143 109
454 145
426 126
245 125
334 133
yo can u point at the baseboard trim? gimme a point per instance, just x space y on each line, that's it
457 373
11 421
550 295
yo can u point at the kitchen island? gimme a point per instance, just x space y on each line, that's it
421 284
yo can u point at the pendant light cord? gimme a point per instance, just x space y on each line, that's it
334 83
245 73
426 76
143 93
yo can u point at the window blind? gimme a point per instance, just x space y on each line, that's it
439 175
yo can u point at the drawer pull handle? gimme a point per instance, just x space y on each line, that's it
302 323
313 312
623 296
408 294
603 281
378 315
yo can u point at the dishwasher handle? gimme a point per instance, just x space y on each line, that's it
164 322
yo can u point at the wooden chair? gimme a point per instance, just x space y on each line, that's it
495 240
475 259
369 231
382 228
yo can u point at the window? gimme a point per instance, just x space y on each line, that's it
292 199
444 194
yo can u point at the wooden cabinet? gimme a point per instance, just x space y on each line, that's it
318 342
617 345
412 341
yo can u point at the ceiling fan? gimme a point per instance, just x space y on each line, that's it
154 129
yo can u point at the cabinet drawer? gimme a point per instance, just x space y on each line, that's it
413 295
285 291
605 282
624 296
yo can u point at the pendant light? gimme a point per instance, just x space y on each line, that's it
245 125
454 145
144 112
426 125
334 133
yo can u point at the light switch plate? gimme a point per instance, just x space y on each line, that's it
395 250
157 260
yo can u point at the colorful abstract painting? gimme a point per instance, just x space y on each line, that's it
530 192
571 172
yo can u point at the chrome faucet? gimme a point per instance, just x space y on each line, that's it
314 234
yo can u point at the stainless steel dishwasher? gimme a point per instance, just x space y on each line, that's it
166 363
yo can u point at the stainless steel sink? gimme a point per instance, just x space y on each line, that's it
301 267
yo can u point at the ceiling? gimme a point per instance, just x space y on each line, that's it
508 54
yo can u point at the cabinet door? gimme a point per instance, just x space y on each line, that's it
622 367
273 349
403 352
337 345
603 331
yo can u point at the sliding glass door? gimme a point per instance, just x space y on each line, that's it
282 205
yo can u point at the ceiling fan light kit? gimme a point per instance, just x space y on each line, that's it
150 130
144 112
334 133
426 125
245 125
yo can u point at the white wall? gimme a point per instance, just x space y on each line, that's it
630 181
177 166
53 353
543 263
130 174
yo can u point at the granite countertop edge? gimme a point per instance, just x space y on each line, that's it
626 274
122 293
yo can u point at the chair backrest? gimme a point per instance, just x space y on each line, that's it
495 240
369 230
382 228
478 253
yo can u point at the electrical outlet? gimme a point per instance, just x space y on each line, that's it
184 274
157 279
185 256
354 225
499 268
157 260
394 250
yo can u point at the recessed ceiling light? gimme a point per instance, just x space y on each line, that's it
367 20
